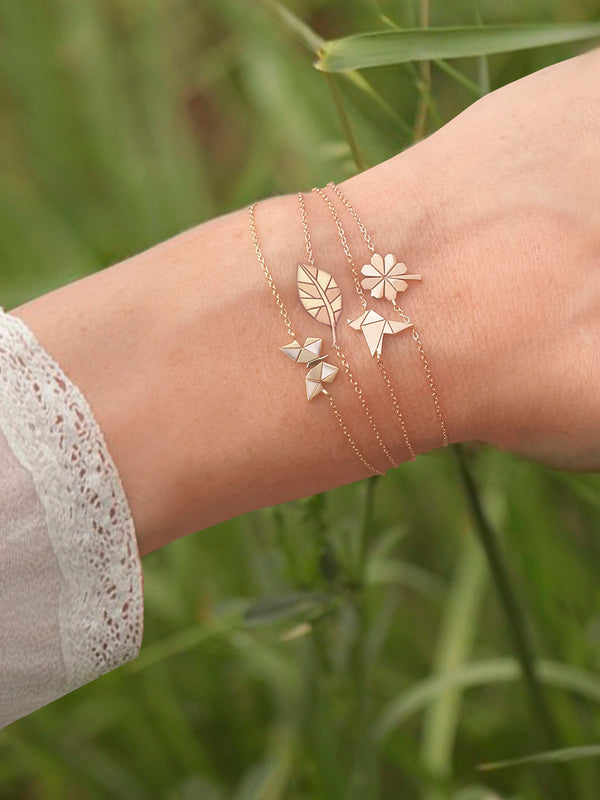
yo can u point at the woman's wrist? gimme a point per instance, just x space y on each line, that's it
408 212
504 215
177 353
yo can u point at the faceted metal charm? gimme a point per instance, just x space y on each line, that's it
320 295
386 277
317 375
303 354
374 327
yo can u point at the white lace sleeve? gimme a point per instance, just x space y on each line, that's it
71 585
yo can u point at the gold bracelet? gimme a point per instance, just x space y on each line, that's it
384 277
319 371
372 324
313 287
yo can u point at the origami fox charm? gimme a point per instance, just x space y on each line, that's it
303 354
374 327
319 371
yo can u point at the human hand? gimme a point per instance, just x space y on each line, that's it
500 211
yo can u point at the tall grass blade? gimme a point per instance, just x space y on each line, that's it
455 640
415 44
550 756
314 43
512 608
483 673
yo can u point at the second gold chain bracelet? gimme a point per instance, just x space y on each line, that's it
319 371
385 277
321 297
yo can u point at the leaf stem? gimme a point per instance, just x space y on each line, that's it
367 525
424 84
483 68
519 632
363 774
339 106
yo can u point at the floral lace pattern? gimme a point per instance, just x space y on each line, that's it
55 435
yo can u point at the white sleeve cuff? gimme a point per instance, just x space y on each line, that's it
85 607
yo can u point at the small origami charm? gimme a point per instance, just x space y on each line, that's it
303 354
374 327
320 295
316 376
319 372
386 277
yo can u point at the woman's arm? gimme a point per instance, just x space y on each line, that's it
176 349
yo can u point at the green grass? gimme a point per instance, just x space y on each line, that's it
348 646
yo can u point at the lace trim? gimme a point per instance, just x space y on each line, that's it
54 433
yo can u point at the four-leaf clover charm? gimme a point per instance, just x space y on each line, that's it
386 277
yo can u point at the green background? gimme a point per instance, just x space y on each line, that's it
354 644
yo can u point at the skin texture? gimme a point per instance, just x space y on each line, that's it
176 348
512 220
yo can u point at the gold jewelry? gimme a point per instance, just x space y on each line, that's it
372 324
319 372
318 290
385 277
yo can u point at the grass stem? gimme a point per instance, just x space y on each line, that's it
520 634
349 133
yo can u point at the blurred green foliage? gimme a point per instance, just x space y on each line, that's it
350 645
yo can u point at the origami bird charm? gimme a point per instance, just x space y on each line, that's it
374 327
319 371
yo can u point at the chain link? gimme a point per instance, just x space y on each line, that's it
427 368
359 455
288 324
364 405
354 214
404 316
338 349
309 251
361 294
396 405
265 269
344 241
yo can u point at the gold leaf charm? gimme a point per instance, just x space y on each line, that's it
320 295
374 327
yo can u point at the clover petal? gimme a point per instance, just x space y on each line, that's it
398 284
377 262
377 291
389 262
390 291
371 270
399 268
370 283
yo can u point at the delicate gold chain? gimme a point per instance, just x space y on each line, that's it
427 369
346 433
361 294
338 349
309 250
265 269
354 214
405 317
344 241
365 407
290 329
396 405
